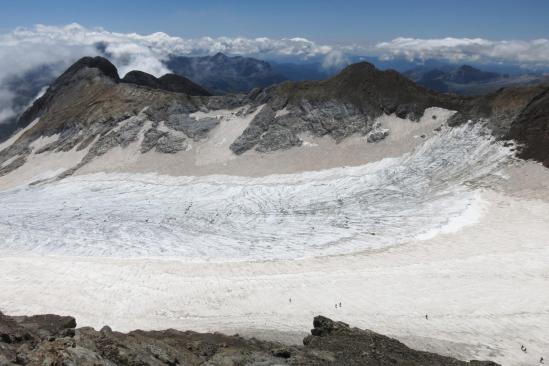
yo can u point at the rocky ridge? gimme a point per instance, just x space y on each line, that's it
169 82
346 104
90 108
55 340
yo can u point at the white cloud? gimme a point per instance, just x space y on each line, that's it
334 59
6 113
6 110
144 52
533 52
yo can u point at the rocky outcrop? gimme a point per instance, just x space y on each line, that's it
350 102
162 141
498 109
531 129
344 105
53 340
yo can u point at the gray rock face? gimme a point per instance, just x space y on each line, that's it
269 132
195 129
122 136
53 340
531 129
150 139
252 134
170 144
339 107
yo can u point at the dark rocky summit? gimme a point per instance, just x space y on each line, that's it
169 82
90 77
54 340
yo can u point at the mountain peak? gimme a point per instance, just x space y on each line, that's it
467 68
98 62
85 68
220 56
359 67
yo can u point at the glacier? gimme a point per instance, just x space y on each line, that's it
435 188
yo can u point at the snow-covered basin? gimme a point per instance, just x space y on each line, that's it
432 232
219 218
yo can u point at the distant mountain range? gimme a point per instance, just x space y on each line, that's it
468 80
221 74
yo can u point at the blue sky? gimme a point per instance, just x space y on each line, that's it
322 21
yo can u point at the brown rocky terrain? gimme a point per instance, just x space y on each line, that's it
54 340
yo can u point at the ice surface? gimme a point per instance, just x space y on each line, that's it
290 216
474 252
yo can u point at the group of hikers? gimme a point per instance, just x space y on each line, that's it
336 305
523 349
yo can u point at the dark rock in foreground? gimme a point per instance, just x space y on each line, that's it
53 340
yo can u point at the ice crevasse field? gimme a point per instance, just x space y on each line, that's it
334 211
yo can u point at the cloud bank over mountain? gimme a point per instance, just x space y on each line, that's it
24 49
58 46
527 53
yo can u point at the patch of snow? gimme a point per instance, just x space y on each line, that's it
43 141
9 161
281 112
220 114
216 148
42 166
17 135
